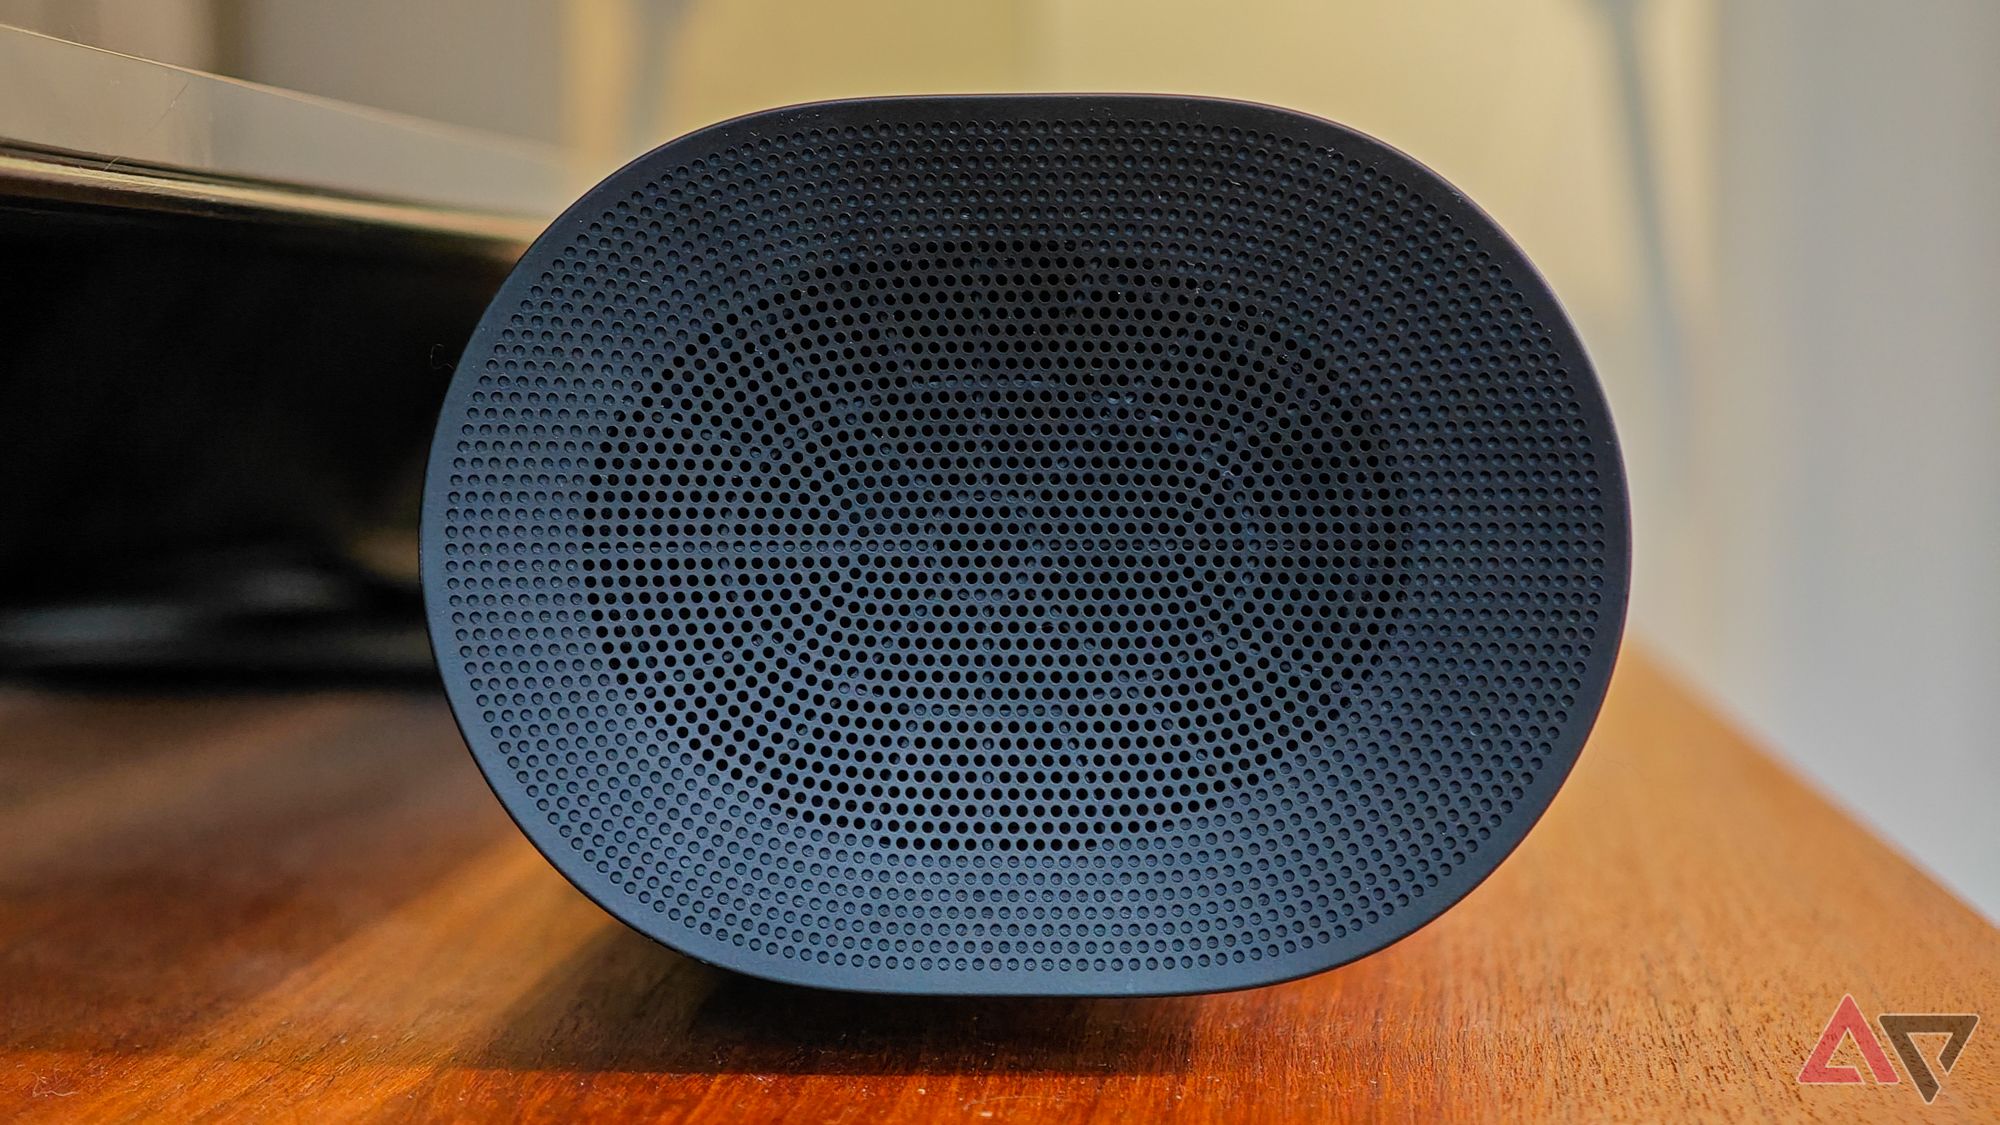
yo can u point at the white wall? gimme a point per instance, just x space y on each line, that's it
1837 532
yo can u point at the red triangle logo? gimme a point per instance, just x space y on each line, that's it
1846 1021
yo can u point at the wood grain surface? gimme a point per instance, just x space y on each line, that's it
308 907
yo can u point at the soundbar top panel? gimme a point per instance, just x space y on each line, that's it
1038 545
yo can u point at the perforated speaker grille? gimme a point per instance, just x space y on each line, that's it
1025 545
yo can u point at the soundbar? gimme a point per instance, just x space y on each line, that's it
1052 545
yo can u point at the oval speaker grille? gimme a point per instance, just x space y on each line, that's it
1028 545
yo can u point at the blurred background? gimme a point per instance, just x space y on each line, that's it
1773 222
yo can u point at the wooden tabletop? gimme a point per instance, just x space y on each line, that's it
309 907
